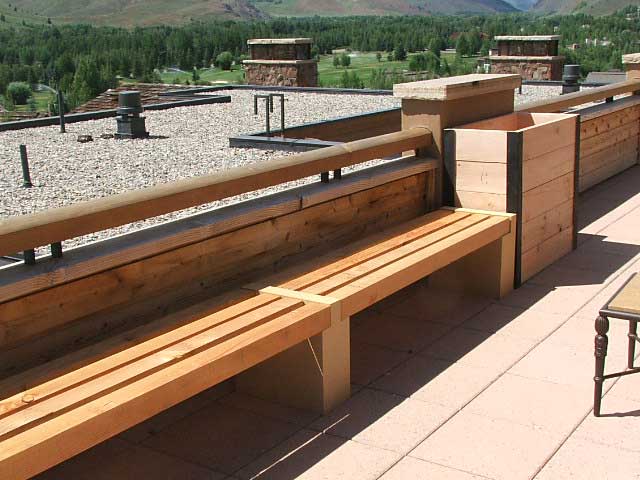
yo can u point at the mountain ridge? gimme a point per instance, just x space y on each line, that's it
128 13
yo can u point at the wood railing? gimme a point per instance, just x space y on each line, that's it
53 226
565 102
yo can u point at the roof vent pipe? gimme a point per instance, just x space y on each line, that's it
570 77
130 123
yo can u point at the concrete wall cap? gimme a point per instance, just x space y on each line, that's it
528 38
279 41
279 62
452 88
631 58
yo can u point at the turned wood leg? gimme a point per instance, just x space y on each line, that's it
601 341
633 330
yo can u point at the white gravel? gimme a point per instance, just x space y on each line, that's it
65 171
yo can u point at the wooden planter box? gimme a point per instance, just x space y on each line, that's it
523 163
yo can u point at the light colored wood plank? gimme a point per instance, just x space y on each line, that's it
20 280
613 154
214 262
36 449
541 199
549 166
481 146
482 201
548 137
604 109
547 225
482 177
607 171
93 381
546 253
369 289
598 125
608 139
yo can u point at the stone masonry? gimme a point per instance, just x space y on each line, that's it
533 57
281 62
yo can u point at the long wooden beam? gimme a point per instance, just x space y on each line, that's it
51 226
564 102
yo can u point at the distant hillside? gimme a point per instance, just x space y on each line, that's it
152 12
592 7
380 7
135 12
524 5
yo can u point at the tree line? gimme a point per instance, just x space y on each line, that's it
83 60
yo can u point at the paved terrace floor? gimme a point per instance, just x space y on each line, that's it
445 387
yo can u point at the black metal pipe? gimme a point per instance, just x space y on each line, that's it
56 250
281 97
324 177
337 174
30 257
26 175
63 128
268 101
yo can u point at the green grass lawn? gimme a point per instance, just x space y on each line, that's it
361 63
364 64
42 102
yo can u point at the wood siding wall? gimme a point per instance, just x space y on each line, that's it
44 324
608 140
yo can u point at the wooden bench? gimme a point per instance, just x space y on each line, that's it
295 324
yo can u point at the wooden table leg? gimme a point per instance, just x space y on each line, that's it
601 342
633 338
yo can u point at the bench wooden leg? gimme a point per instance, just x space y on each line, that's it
488 271
313 375
633 338
601 342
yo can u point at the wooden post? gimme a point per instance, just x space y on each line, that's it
449 102
313 375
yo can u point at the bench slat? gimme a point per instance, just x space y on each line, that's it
367 290
354 272
114 372
46 444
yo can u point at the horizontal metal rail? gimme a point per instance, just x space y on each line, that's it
565 102
51 226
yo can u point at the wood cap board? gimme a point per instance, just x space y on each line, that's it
453 88
628 299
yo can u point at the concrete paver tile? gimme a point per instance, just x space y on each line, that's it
310 455
543 298
485 446
384 420
482 349
158 422
369 362
437 381
619 425
83 466
397 333
436 305
563 364
141 463
515 322
221 437
535 403
584 460
410 468
269 409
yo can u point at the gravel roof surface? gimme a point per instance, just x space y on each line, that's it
65 171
